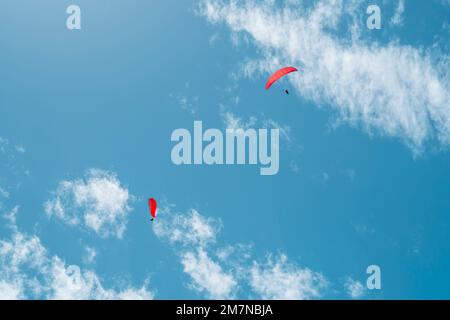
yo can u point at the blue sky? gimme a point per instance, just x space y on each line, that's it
85 126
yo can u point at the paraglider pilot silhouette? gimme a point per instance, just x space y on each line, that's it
278 75
152 207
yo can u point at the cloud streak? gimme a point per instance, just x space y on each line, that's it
397 19
391 90
280 280
223 272
190 235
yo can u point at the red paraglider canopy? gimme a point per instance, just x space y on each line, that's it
279 74
152 206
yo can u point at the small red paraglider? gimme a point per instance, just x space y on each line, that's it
279 74
152 207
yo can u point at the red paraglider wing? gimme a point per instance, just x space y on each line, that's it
152 206
279 74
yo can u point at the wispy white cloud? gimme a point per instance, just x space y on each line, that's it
392 90
7 148
397 18
3 144
189 104
221 273
98 202
185 100
207 275
233 121
90 255
20 148
213 39
354 288
190 234
10 216
4 193
10 165
28 271
187 230
70 283
280 280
